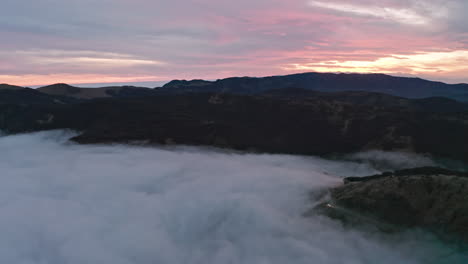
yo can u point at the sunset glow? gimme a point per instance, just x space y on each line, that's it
135 41
435 63
34 80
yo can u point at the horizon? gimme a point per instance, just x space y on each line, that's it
156 84
155 41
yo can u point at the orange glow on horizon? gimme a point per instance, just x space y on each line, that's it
423 63
38 80
445 65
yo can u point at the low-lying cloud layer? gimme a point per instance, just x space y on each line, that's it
64 203
142 40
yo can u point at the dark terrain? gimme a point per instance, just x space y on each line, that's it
62 89
279 121
429 198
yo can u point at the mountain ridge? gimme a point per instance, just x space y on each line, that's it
408 87
63 89
4 86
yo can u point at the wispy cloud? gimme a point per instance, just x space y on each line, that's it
86 58
400 15
78 78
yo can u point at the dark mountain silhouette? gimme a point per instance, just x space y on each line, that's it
91 93
28 96
280 121
324 82
283 114
5 86
327 82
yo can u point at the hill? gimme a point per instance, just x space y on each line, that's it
5 86
92 93
327 82
322 124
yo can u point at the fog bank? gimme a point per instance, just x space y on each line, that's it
66 203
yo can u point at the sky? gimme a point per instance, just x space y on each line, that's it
153 41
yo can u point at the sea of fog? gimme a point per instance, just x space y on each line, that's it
62 203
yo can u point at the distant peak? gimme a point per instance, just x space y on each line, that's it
177 83
59 85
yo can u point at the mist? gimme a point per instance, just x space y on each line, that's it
67 203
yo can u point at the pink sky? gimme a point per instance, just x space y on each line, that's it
98 41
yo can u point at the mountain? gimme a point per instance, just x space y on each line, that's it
430 104
27 96
279 114
322 124
327 82
5 86
92 93
323 82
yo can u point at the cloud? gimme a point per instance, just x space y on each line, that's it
72 78
440 64
89 59
74 66
64 203
405 16
215 39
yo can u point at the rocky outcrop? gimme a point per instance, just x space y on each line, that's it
430 198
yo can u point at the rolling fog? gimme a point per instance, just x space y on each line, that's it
65 203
